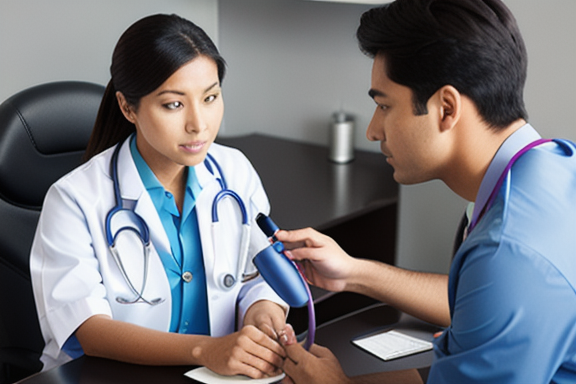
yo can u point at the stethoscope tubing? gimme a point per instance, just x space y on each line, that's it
141 229
505 172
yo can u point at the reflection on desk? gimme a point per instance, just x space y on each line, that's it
336 335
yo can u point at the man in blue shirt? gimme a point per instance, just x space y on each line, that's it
448 79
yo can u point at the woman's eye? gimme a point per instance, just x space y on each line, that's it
173 105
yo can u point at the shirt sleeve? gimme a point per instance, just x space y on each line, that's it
510 320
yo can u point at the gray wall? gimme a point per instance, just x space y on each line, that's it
43 41
292 63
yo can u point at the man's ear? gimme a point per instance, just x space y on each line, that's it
126 109
450 106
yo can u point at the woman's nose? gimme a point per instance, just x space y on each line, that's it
195 121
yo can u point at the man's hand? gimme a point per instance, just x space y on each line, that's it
325 264
318 366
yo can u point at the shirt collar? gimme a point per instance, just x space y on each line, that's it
151 183
514 143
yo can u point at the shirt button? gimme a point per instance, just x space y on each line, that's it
187 276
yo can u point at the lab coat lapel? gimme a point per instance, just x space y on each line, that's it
210 187
220 301
134 192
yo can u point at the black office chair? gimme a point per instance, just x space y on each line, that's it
44 131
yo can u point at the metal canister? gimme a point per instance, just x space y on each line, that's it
341 138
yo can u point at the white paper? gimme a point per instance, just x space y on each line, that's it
205 375
392 345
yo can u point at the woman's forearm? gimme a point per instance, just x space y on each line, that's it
101 336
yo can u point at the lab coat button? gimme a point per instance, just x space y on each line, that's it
187 276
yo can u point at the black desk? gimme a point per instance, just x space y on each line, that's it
354 203
336 335
307 190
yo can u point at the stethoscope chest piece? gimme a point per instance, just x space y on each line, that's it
228 280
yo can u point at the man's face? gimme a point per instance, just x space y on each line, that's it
412 144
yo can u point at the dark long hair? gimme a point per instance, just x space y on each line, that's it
147 54
473 45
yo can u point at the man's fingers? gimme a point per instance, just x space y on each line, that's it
287 380
294 351
319 351
299 238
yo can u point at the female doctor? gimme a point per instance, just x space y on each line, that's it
142 254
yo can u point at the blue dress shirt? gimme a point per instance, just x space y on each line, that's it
189 297
513 280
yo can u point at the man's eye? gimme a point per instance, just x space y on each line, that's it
210 98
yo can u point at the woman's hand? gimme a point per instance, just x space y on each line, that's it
267 316
254 351
249 352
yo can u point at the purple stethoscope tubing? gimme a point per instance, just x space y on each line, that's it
311 313
501 179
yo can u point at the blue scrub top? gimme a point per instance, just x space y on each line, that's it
513 281
189 299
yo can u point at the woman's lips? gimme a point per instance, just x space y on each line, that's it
193 147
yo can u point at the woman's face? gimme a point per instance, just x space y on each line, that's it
177 123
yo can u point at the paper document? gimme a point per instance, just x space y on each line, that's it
392 345
205 375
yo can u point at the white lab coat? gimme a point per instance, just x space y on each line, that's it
75 277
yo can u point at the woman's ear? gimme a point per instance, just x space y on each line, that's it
450 107
126 109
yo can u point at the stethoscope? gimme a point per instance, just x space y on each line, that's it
123 218
475 219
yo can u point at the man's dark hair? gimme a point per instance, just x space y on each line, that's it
473 45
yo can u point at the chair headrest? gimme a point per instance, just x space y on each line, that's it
44 131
